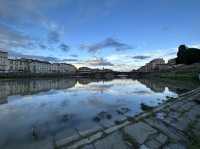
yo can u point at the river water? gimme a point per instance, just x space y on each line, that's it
35 112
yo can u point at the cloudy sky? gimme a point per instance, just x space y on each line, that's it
117 34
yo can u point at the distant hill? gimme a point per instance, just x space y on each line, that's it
187 55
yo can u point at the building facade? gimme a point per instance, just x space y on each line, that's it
37 66
3 61
66 68
152 65
55 68
33 66
18 65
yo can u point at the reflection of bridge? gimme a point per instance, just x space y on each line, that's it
110 74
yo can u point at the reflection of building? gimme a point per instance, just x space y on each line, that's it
3 61
178 86
155 86
24 87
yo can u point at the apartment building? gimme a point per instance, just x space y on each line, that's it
3 61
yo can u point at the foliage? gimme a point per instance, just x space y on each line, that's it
187 55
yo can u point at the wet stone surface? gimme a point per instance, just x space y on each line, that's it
134 131
176 126
109 142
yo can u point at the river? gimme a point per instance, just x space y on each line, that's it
34 113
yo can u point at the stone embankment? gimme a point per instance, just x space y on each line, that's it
173 125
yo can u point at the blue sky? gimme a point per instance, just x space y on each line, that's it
116 34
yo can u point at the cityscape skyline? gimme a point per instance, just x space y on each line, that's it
114 34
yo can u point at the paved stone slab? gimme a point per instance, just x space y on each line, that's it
88 147
176 106
144 147
85 141
112 141
187 106
175 146
116 127
166 129
193 113
161 138
88 128
95 136
169 124
78 144
184 119
139 131
67 140
196 129
153 144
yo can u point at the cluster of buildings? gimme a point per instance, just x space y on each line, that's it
158 65
32 66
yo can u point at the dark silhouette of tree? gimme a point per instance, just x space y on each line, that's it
187 55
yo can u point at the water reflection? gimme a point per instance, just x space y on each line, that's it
178 86
35 111
28 87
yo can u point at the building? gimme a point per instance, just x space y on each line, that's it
152 65
33 66
18 65
164 67
67 68
55 67
3 61
37 66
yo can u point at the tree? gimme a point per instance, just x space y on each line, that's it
187 55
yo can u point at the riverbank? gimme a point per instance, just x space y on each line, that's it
31 75
97 75
175 124
181 72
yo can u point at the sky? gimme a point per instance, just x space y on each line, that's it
116 34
